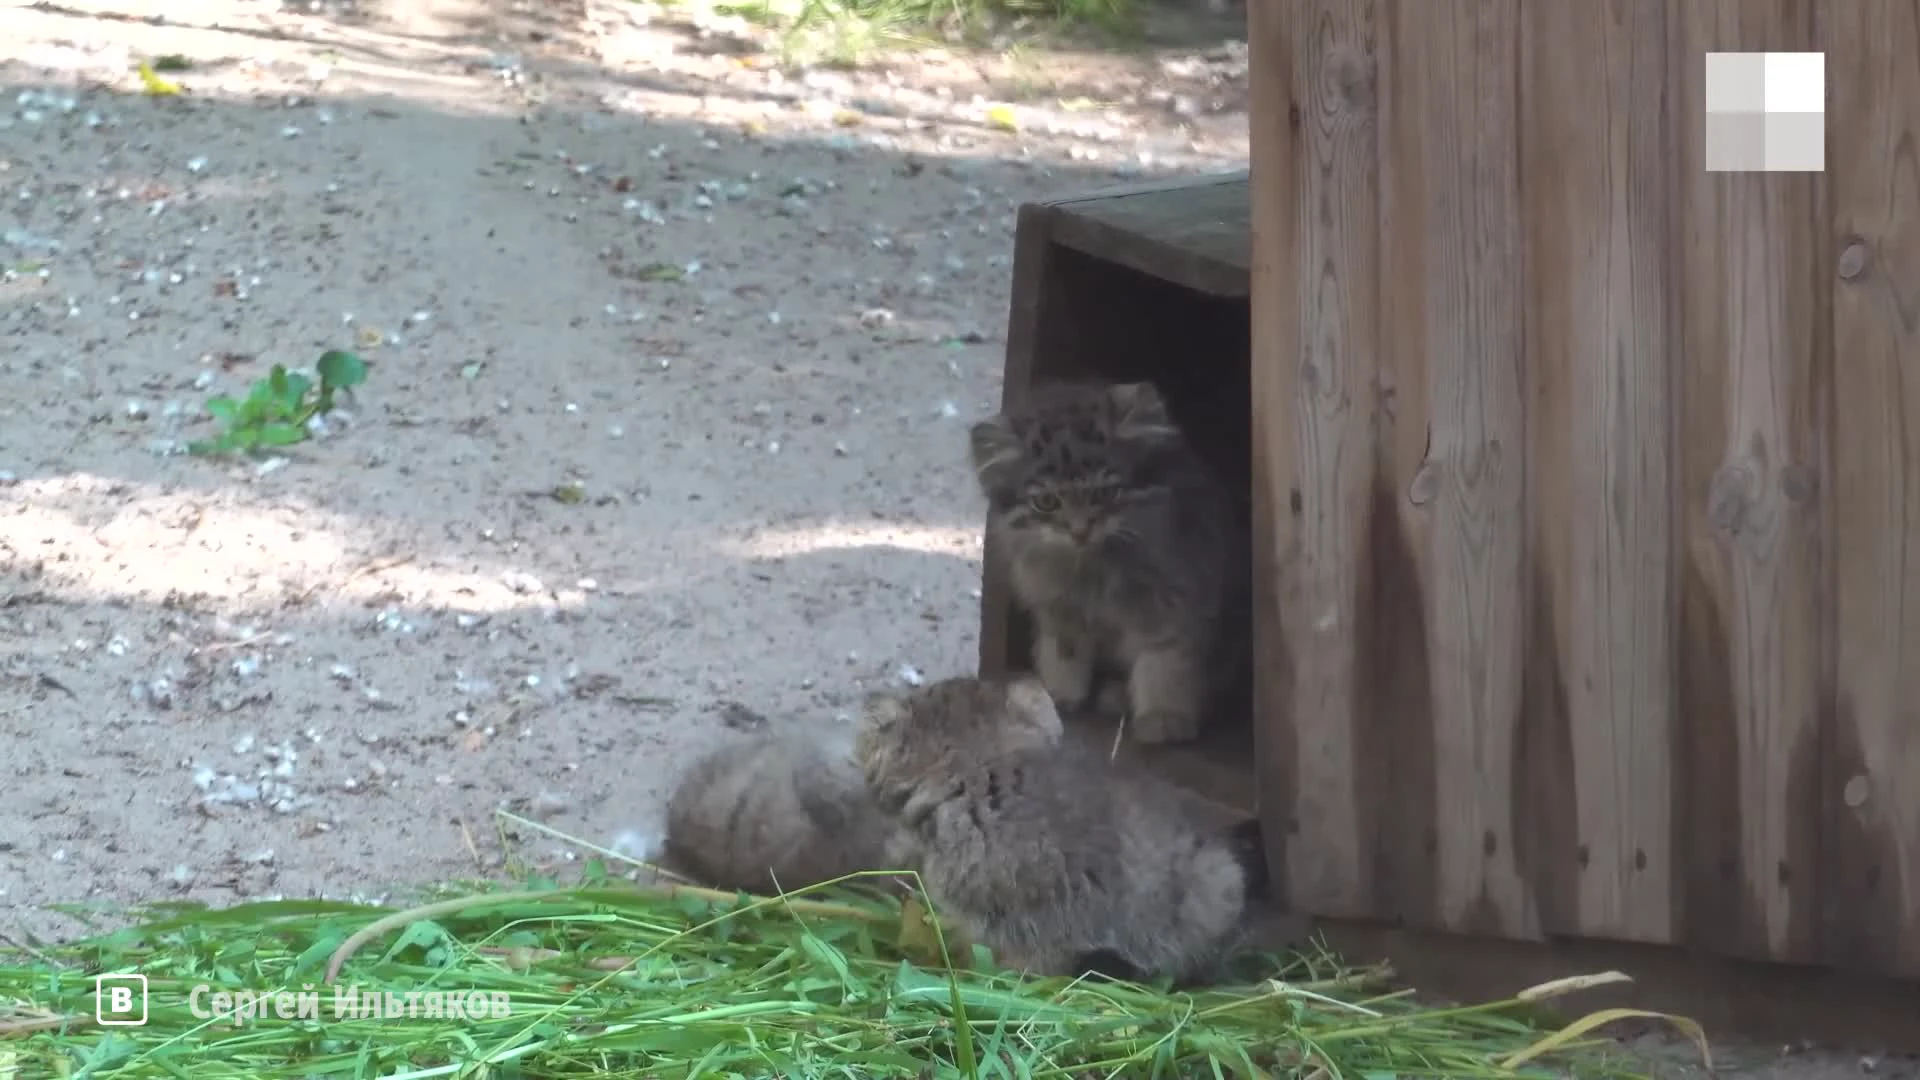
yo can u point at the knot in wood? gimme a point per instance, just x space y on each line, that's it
1799 483
1425 485
1309 378
1853 259
1857 791
1732 495
1349 80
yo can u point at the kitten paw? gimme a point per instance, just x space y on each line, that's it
1162 726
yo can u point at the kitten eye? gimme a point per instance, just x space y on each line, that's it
1045 503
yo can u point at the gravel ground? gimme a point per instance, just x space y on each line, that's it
672 350
671 356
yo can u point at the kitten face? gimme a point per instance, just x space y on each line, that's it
1077 465
909 740
1076 511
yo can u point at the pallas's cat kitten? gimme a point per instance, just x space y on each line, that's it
1044 855
775 812
1128 552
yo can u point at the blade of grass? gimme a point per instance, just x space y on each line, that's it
1593 1020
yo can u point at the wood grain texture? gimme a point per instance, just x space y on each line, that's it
1594 767
1393 682
1872 884
1193 233
1459 63
1752 392
1272 388
1315 225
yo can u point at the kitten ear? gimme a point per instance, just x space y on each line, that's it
993 448
1141 410
1030 701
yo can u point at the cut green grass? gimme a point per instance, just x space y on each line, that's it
611 980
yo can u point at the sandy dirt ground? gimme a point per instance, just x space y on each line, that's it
672 351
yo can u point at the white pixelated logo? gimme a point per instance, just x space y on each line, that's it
120 1000
1766 112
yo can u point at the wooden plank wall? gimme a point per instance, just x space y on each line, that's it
1592 507
1872 774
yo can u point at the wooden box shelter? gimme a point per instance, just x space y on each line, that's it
1131 283
1587 488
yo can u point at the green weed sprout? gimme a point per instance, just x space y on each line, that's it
276 410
